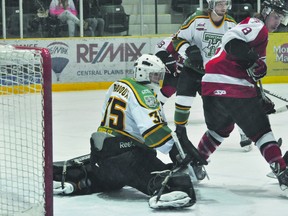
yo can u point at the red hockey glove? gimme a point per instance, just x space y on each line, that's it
178 66
258 70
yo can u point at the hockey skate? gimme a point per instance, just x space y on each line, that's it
199 171
245 143
282 175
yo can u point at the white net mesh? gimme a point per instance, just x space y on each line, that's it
21 132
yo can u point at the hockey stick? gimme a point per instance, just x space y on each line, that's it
274 95
183 156
280 109
182 138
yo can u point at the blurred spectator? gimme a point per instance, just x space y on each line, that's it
110 2
65 11
93 16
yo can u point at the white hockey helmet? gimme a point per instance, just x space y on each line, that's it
212 4
149 68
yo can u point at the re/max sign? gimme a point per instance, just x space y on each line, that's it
94 53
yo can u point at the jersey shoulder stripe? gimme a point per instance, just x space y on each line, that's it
193 17
230 19
144 96
157 135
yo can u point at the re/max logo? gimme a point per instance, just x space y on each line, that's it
94 53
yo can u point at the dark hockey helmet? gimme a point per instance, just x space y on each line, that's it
279 6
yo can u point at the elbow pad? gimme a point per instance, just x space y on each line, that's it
239 51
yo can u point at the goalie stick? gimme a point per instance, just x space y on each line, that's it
183 157
182 166
193 155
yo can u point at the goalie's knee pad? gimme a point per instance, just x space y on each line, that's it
177 182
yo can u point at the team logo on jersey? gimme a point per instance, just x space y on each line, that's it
219 92
201 27
213 41
151 101
146 91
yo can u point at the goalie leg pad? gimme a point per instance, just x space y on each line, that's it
73 175
174 199
177 182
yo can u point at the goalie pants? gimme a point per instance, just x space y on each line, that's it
132 168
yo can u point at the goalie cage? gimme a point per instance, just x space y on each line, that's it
26 177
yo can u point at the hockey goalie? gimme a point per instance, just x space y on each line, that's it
123 149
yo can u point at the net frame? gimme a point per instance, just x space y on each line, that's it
46 91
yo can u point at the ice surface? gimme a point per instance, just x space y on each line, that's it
238 185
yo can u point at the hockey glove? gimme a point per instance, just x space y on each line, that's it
178 66
268 105
258 70
175 156
195 60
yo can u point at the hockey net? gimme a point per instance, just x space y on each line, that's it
25 131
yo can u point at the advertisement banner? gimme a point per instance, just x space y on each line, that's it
77 60
105 59
277 54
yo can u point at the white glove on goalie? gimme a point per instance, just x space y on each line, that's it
174 199
67 188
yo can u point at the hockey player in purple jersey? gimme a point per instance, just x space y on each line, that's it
229 88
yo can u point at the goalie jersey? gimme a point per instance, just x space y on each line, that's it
131 109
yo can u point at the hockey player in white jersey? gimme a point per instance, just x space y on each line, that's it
173 62
123 150
229 88
201 32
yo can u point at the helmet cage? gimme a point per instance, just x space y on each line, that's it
149 69
213 3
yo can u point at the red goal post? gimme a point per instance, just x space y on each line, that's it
26 177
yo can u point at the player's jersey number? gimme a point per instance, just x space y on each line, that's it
115 114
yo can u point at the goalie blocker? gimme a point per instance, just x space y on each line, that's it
146 174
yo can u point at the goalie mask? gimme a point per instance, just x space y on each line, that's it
149 69
279 7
